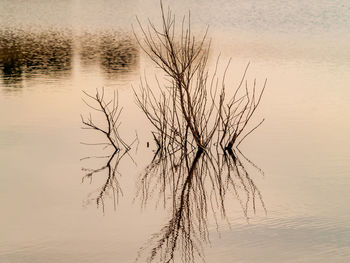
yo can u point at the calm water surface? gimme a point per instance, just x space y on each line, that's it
52 50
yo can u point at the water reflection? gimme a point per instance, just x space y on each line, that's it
116 53
196 185
49 54
25 55
199 184
110 187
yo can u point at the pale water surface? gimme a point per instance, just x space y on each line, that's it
52 50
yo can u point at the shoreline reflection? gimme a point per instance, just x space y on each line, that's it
116 53
49 55
26 55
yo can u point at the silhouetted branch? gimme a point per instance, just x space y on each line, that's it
193 106
110 110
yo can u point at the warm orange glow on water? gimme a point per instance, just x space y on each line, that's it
49 215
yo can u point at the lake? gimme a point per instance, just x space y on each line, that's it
52 210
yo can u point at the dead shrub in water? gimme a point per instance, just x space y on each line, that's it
111 111
192 107
190 114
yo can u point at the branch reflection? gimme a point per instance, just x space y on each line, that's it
111 187
199 184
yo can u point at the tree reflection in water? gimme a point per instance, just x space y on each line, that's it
111 187
199 183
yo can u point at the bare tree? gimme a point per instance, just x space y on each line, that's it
187 106
192 107
111 111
